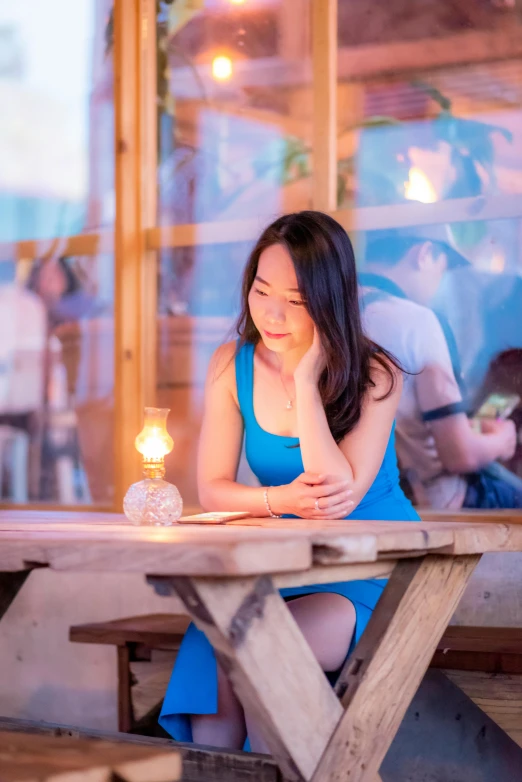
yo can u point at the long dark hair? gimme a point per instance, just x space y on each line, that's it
72 281
324 262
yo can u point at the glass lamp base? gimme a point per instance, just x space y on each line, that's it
153 501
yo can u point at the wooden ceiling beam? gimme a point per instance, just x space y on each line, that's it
365 62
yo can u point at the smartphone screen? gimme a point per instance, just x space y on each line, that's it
498 406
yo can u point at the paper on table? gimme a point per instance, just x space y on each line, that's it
216 517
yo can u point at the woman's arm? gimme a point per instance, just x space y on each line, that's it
220 442
220 449
359 456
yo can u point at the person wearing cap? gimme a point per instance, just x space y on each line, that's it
441 455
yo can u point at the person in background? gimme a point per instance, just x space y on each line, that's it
442 455
63 293
75 318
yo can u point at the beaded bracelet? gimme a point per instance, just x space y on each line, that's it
267 506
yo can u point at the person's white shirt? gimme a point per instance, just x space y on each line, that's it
413 335
23 326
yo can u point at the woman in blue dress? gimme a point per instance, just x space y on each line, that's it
315 400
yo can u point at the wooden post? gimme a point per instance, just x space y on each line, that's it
125 710
324 62
255 639
149 192
135 166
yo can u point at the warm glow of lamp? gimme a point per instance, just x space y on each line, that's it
237 2
222 68
154 442
419 188
153 500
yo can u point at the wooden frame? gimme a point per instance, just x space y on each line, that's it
148 204
324 60
137 238
134 76
476 208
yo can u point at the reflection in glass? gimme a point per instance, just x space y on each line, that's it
235 123
439 144
56 181
235 110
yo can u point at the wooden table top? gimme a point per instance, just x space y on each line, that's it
108 542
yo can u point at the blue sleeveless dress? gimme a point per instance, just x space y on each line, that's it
193 685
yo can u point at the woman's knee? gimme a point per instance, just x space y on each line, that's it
327 622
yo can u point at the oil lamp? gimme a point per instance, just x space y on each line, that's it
153 500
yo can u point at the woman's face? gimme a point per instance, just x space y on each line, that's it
51 282
275 304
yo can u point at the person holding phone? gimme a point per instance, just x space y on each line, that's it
315 400
444 455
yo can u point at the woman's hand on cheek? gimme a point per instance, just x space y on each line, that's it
312 364
312 496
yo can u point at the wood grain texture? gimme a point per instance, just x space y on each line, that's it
499 695
149 684
486 663
499 516
161 631
257 642
382 675
130 326
333 573
324 63
476 537
199 763
25 758
169 550
125 710
250 548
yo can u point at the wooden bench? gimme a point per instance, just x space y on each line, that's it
486 663
199 764
136 638
24 757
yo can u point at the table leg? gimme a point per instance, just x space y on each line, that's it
310 733
10 585
381 677
270 665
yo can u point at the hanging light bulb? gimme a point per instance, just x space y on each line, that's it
153 500
222 68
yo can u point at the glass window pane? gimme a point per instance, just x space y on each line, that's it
57 293
234 151
429 166
234 89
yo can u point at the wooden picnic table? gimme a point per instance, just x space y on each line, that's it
228 578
